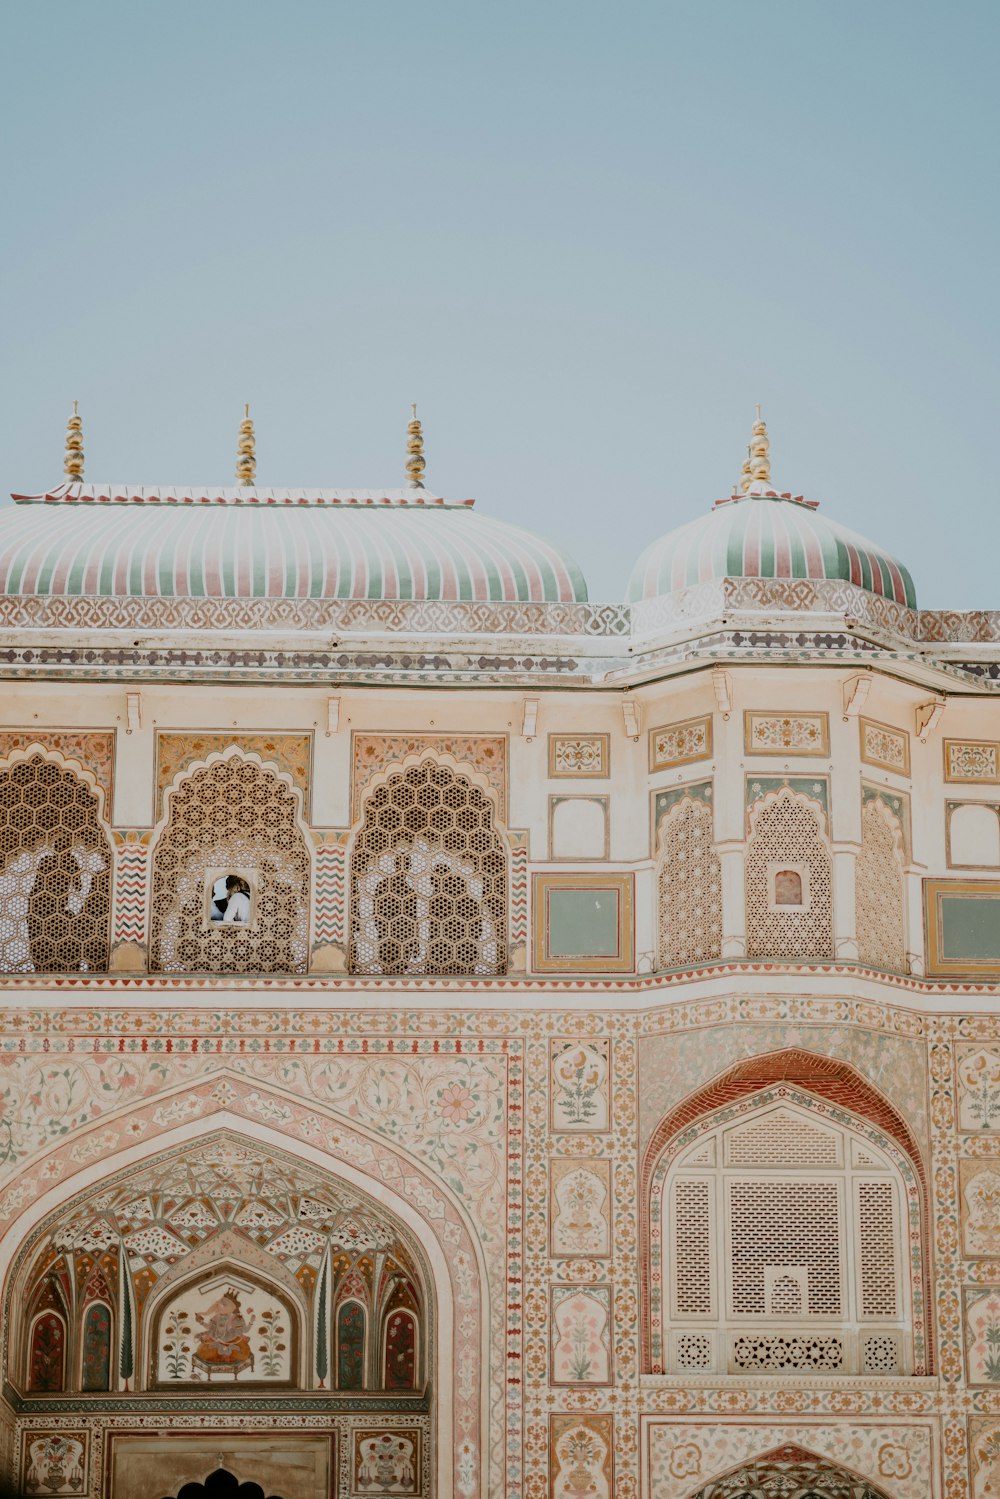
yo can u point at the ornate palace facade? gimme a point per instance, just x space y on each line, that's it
465 1040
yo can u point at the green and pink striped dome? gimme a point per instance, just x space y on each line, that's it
270 543
766 535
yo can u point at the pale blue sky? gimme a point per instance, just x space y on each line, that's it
585 238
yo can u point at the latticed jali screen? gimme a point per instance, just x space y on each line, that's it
786 830
233 814
429 878
763 1221
689 887
55 873
880 890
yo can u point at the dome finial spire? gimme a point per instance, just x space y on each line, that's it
415 463
757 468
246 451
73 461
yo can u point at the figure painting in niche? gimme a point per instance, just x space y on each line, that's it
224 1337
95 1369
47 1370
788 888
400 1352
350 1346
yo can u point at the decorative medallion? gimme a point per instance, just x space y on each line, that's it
972 760
579 755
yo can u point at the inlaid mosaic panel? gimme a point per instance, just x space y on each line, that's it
885 746
580 1207
289 752
680 743
580 1085
972 760
786 733
581 1335
55 1462
91 747
980 1208
581 1456
485 753
579 755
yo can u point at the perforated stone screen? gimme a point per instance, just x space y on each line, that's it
879 890
429 878
689 887
233 814
786 830
55 872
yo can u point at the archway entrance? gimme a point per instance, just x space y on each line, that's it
789 1473
222 1485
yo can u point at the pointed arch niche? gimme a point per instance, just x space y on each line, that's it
789 1470
429 874
226 1258
232 815
784 1227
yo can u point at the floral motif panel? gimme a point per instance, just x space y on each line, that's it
95 1359
581 1335
351 1324
400 1351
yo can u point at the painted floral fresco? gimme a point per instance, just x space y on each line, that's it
581 1086
581 1335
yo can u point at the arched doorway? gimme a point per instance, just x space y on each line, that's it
789 1473
222 1485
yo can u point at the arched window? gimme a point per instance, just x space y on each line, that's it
689 886
47 1354
352 1321
879 889
789 880
55 872
429 878
232 828
95 1353
782 1240
400 1367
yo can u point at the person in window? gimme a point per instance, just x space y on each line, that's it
219 899
238 903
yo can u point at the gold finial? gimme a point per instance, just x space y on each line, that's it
246 452
73 462
415 464
757 468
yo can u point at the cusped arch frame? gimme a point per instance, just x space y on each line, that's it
182 1114
808 1079
782 1461
466 772
218 757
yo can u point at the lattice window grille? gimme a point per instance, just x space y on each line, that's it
787 832
232 812
780 1138
776 1221
784 1353
689 887
880 1354
877 1232
691 1230
55 872
802 1233
429 878
693 1352
879 890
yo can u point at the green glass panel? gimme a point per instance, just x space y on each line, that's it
970 927
583 923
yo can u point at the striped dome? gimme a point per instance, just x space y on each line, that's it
766 535
256 543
